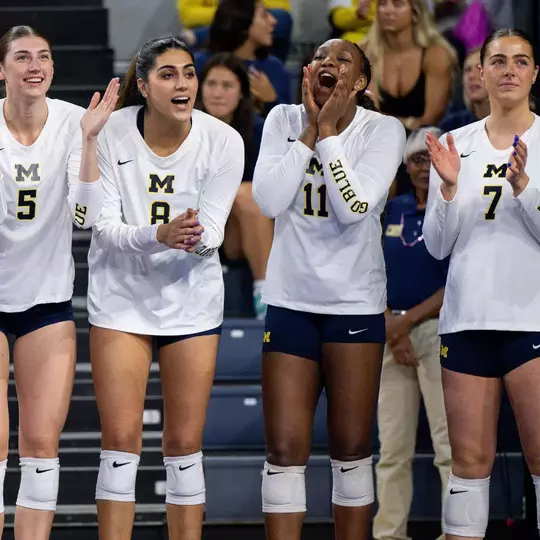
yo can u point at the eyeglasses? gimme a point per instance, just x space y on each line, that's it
403 241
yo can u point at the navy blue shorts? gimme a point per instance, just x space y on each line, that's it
303 334
488 353
163 341
24 322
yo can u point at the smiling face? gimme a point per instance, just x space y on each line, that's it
509 71
326 65
172 85
27 68
418 168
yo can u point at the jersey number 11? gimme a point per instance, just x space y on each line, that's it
308 197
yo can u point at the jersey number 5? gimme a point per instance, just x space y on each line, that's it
496 191
308 204
27 203
160 212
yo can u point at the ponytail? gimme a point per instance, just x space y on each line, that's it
366 102
129 93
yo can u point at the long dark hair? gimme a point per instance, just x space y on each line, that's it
142 64
14 33
502 33
230 27
244 115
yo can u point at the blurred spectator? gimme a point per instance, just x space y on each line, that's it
245 28
411 367
224 93
474 96
351 19
197 15
412 63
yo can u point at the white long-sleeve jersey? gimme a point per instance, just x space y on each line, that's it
493 237
137 284
327 256
40 196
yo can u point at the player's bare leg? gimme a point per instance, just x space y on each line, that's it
120 367
472 409
522 385
4 414
351 377
44 372
291 388
187 373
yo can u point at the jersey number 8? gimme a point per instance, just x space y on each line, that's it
160 212
27 203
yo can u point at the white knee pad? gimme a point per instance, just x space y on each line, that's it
117 476
353 482
283 489
38 489
466 507
3 467
536 480
185 480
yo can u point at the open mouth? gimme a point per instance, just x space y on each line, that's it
327 80
180 100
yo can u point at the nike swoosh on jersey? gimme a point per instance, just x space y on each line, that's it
124 162
352 332
467 155
289 139
535 347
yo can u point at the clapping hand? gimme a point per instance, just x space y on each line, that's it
98 112
516 164
183 232
446 161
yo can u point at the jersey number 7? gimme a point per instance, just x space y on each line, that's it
496 191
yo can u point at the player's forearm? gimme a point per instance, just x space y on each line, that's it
85 201
132 239
441 226
428 309
353 193
89 169
528 201
275 185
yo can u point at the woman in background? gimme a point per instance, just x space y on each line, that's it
245 28
224 94
412 63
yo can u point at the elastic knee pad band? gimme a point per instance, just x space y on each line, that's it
536 480
38 489
353 482
283 489
466 507
117 476
185 480
3 467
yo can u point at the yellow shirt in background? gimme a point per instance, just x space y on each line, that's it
344 18
195 13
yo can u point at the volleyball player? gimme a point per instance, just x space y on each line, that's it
323 173
484 211
49 178
170 176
